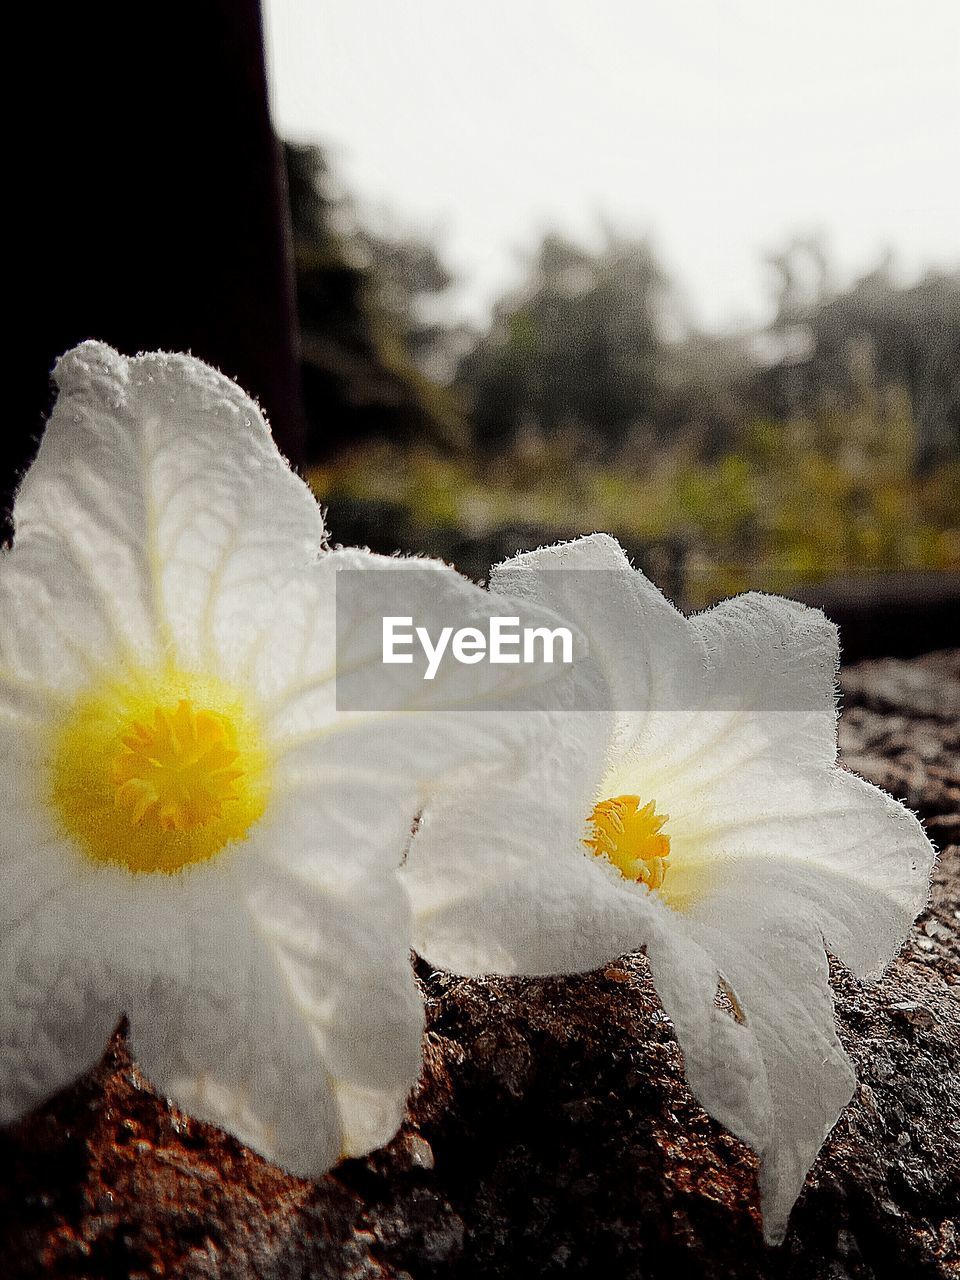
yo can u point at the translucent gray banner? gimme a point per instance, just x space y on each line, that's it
422 638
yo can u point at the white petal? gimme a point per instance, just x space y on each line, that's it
699 701
209 1023
646 648
517 893
153 519
271 993
779 660
856 856
291 1016
722 1061
702 700
220 1032
56 1012
36 862
340 938
770 953
269 990
759 704
497 873
57 627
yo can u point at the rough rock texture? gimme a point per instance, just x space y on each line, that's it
553 1133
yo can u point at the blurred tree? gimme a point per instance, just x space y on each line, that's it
908 337
874 337
595 342
366 347
409 281
580 345
801 272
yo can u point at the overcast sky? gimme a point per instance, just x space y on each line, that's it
718 126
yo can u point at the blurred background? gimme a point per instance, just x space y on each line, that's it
684 271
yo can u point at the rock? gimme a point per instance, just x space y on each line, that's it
552 1133
901 729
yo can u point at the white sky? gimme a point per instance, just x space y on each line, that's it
719 126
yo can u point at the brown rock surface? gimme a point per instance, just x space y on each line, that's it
552 1133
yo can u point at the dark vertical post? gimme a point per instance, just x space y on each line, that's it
149 204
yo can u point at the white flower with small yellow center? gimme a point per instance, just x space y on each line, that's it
706 821
190 830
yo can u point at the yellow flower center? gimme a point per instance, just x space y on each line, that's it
179 770
630 837
158 770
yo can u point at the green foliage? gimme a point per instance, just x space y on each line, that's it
805 499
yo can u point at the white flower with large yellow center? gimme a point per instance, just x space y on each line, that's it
190 831
706 821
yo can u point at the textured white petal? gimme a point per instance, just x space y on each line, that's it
858 858
722 1060
56 629
774 961
341 937
221 1033
56 1011
759 704
175 953
496 872
775 660
514 895
153 520
646 648
701 700
301 1003
36 863
268 992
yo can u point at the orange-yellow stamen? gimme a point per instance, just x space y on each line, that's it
177 769
158 769
630 837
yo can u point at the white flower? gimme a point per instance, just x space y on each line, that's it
707 822
190 831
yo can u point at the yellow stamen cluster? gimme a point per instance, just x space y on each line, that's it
630 837
179 769
158 770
